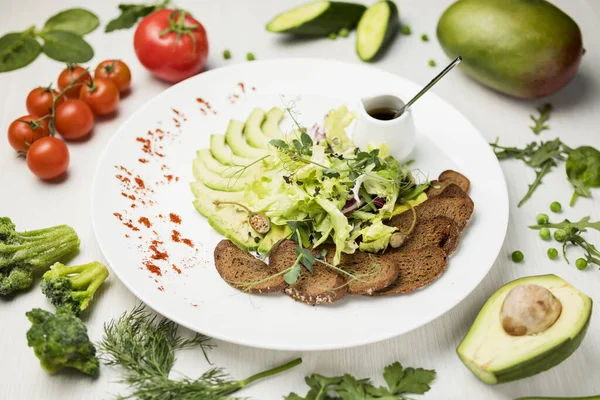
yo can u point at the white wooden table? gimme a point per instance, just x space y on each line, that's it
238 25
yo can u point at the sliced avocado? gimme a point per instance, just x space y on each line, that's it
495 356
227 171
271 125
253 132
206 196
277 233
231 222
218 182
222 154
238 145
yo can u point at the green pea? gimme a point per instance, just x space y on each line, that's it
250 57
432 63
555 207
406 30
226 54
545 233
424 37
344 32
560 235
517 256
333 36
552 253
542 219
581 264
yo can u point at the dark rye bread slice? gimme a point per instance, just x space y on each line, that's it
457 209
453 191
238 268
371 271
416 268
324 286
438 231
446 178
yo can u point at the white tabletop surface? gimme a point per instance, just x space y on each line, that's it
239 26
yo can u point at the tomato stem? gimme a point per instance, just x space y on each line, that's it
178 26
52 115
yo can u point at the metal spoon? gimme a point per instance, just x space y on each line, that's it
435 80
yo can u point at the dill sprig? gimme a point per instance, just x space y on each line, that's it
145 348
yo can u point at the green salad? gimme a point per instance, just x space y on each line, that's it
313 188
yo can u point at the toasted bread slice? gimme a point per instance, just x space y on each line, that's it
324 286
453 191
438 231
457 178
445 179
240 269
416 268
457 209
372 272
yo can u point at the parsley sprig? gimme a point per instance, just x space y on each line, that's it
400 382
539 123
573 231
542 157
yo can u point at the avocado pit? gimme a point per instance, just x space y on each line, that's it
529 309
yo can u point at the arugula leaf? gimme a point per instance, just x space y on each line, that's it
583 171
131 13
539 123
305 257
292 275
539 175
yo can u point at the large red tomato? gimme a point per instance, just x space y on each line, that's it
171 44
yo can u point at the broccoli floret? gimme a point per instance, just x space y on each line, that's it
60 340
21 253
73 287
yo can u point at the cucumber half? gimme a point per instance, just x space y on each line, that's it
377 28
319 18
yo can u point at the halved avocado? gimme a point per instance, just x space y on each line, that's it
253 132
495 356
227 171
206 196
235 140
218 182
271 125
221 153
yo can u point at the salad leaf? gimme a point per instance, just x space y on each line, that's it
335 128
583 171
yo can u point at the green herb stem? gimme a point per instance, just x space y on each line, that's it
269 372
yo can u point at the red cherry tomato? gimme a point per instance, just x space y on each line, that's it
23 132
115 70
74 119
39 101
48 158
101 95
163 43
71 74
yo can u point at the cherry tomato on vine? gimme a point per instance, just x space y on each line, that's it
25 131
48 158
101 95
39 101
73 73
74 119
171 44
116 71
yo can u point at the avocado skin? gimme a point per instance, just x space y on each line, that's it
546 361
523 48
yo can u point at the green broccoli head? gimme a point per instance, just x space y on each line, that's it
60 340
28 251
15 280
73 287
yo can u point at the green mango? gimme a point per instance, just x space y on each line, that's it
523 48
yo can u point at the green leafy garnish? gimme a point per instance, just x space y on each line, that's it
131 13
572 235
583 171
540 122
400 381
542 157
145 348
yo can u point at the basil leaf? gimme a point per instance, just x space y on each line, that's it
66 47
130 13
75 20
17 50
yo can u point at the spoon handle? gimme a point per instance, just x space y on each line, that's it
435 80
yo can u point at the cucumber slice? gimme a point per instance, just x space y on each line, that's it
376 29
319 18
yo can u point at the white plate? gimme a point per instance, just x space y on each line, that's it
197 297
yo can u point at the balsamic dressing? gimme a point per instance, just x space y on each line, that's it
382 113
